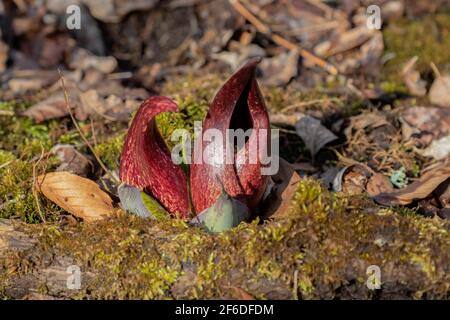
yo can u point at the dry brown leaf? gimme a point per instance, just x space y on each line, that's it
440 91
241 294
417 190
72 160
412 79
285 184
84 60
279 70
51 108
345 41
79 196
3 56
378 183
428 123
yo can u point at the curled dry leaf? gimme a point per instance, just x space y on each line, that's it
77 195
411 77
440 91
420 189
377 184
351 179
280 191
279 70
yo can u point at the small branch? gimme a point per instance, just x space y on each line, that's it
35 194
261 27
436 71
7 113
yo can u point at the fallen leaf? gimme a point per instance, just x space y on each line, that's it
412 79
314 134
429 129
112 11
351 179
241 294
281 191
371 52
279 70
83 60
440 91
419 189
378 183
239 54
368 121
51 108
77 195
71 160
3 56
344 41
438 149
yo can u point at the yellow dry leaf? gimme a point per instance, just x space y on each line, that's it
77 195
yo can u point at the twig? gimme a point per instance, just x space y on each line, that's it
436 71
7 113
261 27
295 287
308 103
66 97
36 197
94 136
7 163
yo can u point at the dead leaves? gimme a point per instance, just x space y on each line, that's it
314 134
378 184
418 190
440 91
79 196
281 190
51 108
429 130
411 77
3 56
344 41
358 178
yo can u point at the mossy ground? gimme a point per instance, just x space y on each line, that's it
428 38
321 249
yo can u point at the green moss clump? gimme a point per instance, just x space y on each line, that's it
428 38
109 151
16 195
320 249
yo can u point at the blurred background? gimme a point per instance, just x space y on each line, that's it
156 39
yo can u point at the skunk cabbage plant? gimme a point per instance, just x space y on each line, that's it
217 175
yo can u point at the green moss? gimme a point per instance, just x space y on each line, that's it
109 151
428 38
16 196
320 249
